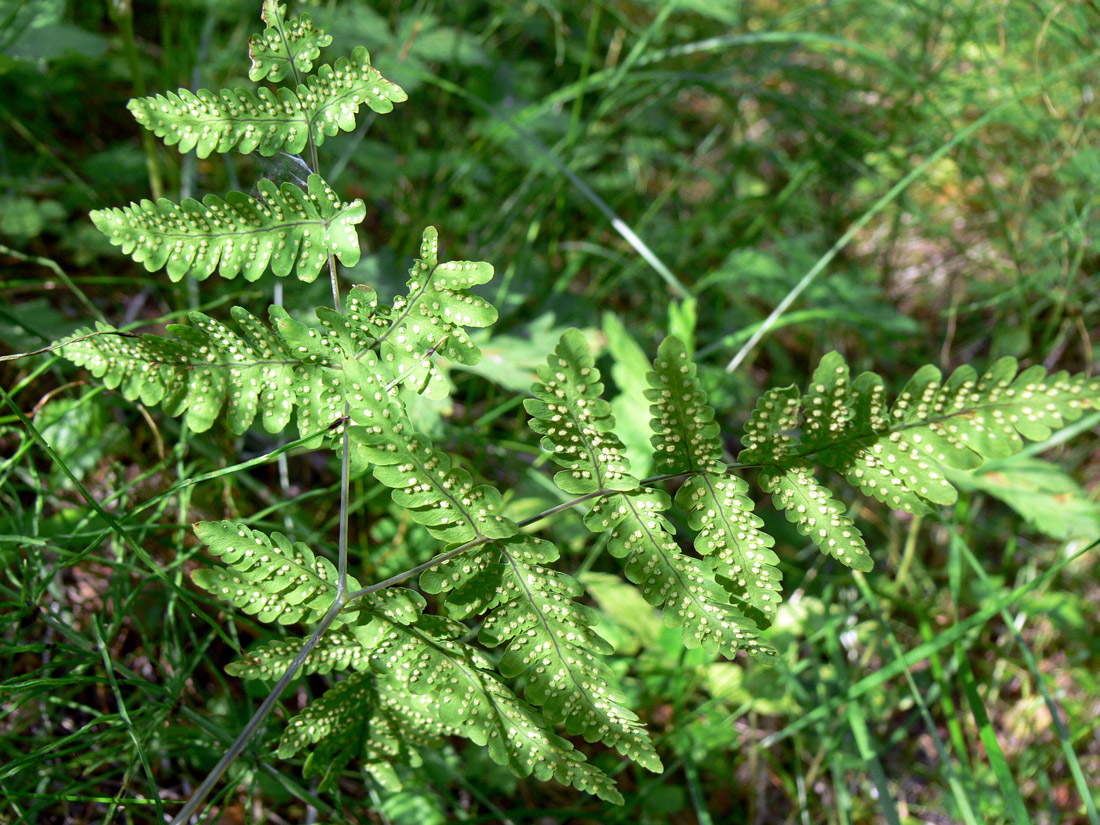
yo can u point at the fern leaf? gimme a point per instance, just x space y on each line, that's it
686 440
437 494
345 648
202 369
337 650
431 317
549 637
269 576
575 422
284 46
816 514
770 440
266 120
260 369
899 454
286 228
387 726
687 591
468 698
338 374
374 721
769 433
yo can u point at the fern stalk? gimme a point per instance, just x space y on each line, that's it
273 16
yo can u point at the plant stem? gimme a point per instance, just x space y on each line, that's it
122 13
241 742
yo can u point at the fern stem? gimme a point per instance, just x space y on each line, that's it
342 548
268 704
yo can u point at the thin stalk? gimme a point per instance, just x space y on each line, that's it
123 14
241 742
341 599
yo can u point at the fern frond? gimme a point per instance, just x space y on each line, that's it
337 650
349 364
470 699
686 440
436 494
549 639
269 120
578 433
345 648
284 46
683 587
288 229
432 316
817 515
269 576
575 423
202 369
900 455
372 720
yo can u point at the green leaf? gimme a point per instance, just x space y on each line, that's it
686 439
375 721
257 369
816 514
470 699
1041 492
284 46
269 576
432 316
629 366
269 120
436 493
575 422
286 228
337 650
690 597
346 648
549 637
902 454
200 370
730 536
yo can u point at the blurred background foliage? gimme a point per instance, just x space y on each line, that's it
737 141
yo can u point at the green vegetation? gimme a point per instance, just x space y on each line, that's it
676 215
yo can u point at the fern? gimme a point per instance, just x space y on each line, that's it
577 430
269 121
576 424
550 641
899 455
286 229
412 679
272 369
268 576
284 46
686 440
